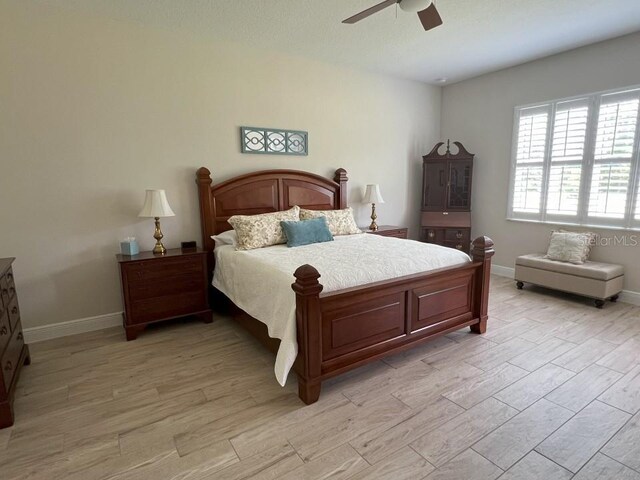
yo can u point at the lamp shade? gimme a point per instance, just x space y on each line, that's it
156 205
372 194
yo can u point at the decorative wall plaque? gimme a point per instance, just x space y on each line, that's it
274 141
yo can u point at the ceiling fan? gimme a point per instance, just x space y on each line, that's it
426 10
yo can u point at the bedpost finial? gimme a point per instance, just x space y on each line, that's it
340 176
203 175
482 248
306 281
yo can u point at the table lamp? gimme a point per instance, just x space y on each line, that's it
372 195
156 206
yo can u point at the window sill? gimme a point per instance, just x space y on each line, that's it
573 225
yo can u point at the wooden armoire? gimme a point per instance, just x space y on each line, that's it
446 197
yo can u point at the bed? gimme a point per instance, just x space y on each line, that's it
345 325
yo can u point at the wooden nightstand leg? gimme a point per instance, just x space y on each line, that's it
132 332
206 317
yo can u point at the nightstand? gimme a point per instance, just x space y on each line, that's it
162 287
389 231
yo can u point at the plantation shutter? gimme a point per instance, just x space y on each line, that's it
530 148
614 152
566 158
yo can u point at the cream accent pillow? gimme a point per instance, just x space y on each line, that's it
340 222
572 247
263 230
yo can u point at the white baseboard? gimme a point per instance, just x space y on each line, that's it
626 296
503 271
72 327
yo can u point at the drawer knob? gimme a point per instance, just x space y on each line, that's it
459 234
432 234
445 213
14 310
8 367
459 247
4 330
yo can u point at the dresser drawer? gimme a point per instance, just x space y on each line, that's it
168 306
4 291
463 247
11 356
167 267
14 312
458 235
5 330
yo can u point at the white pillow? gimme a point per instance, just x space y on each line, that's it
263 230
230 237
340 222
572 247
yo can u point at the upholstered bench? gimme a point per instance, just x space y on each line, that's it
591 279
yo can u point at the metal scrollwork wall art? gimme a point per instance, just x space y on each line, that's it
273 141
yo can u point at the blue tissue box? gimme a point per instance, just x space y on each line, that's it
129 248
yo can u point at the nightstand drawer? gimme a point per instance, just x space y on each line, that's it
152 271
389 231
169 306
397 234
11 357
161 287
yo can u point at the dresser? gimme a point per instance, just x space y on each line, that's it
161 287
446 197
14 353
389 231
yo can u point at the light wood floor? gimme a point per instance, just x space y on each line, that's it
551 390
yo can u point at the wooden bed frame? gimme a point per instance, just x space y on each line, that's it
344 329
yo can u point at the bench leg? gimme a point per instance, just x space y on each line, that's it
615 298
520 285
599 303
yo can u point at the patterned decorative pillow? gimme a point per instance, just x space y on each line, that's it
263 230
572 247
340 222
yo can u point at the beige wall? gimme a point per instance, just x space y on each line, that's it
479 113
92 112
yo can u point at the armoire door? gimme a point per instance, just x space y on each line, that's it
435 186
459 189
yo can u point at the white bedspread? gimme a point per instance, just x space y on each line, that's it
259 281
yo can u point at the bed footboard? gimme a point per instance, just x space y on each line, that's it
342 330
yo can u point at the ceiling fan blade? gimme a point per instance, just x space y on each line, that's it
370 11
430 17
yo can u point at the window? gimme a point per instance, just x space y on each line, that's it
576 161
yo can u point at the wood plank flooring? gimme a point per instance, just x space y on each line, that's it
552 391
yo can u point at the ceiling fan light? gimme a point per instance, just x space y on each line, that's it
414 6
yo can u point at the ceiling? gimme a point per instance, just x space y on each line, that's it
478 36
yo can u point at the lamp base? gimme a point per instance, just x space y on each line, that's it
374 226
159 248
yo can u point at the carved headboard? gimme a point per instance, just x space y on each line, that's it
262 192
